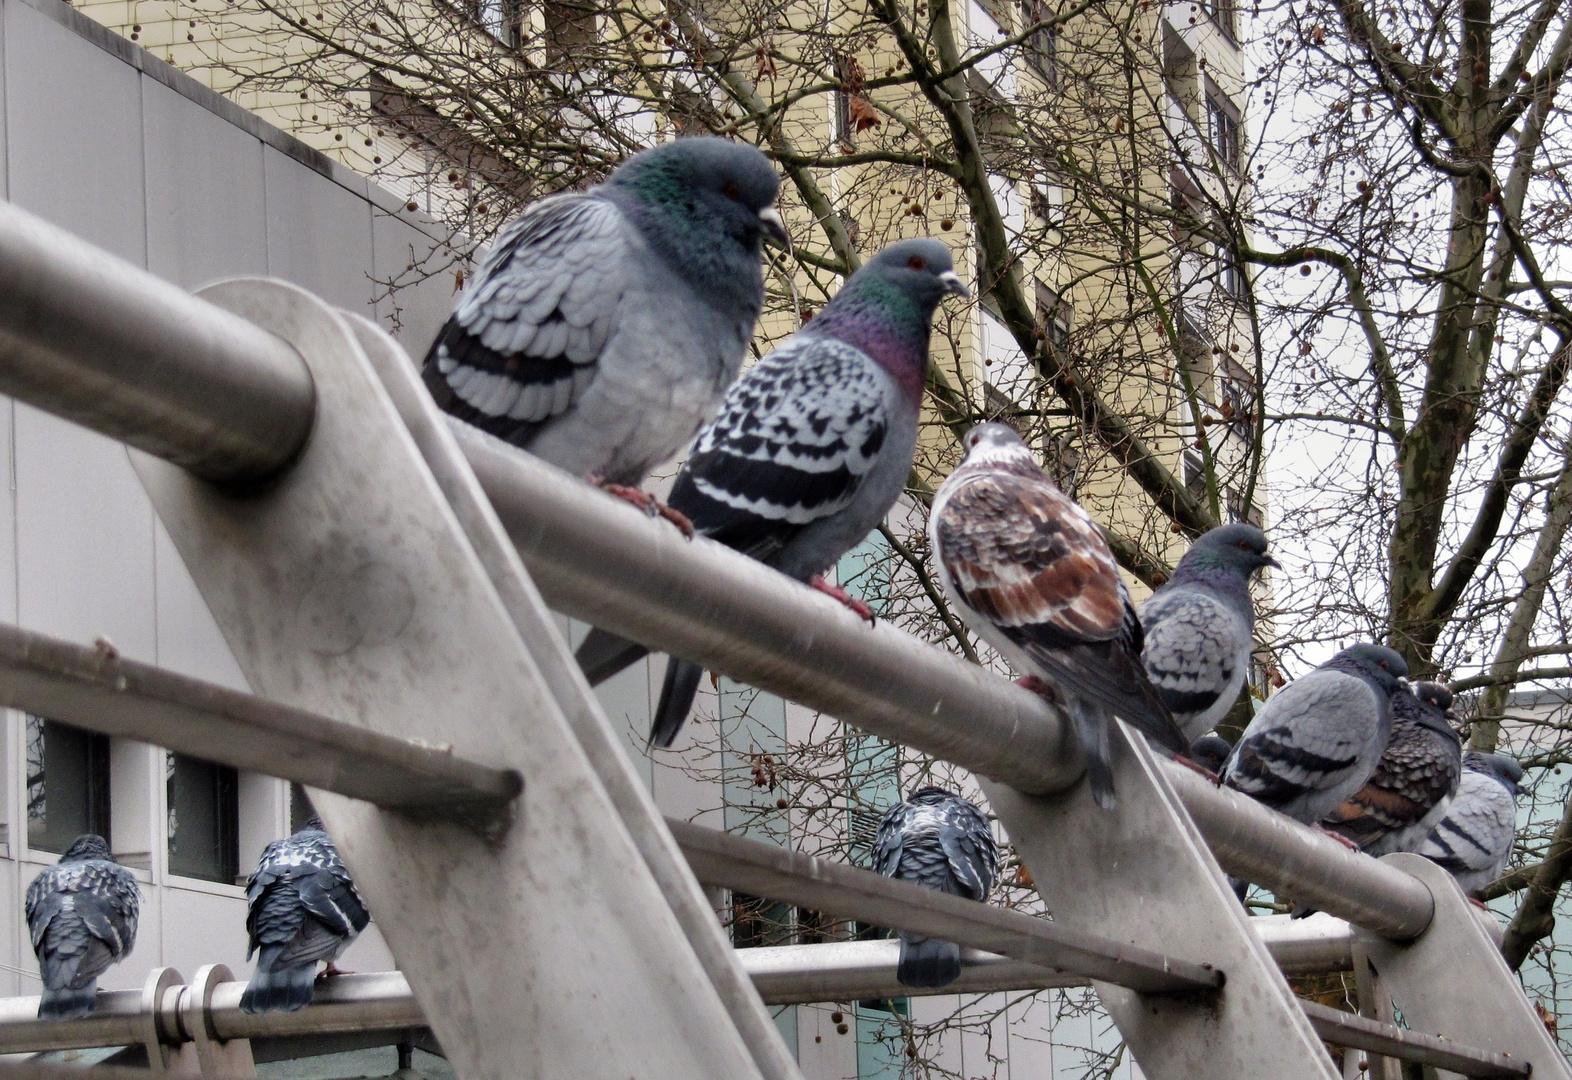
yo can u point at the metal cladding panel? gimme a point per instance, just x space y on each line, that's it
205 216
318 234
77 113
189 641
415 282
7 510
84 537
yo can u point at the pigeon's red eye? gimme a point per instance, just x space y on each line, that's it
732 191
915 262
1244 545
1384 667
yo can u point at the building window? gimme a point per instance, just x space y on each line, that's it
1195 477
1238 403
1055 313
1042 47
499 18
204 819
1222 128
67 784
1238 511
1223 16
1230 274
757 922
570 31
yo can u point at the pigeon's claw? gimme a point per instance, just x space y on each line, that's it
860 609
648 503
1217 781
332 972
1041 687
1339 837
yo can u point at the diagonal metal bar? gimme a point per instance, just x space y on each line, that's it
746 865
1351 1030
95 689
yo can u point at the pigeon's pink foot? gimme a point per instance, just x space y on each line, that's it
648 503
1480 904
332 972
860 609
1216 780
1339 837
1037 686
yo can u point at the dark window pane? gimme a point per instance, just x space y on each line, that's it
67 784
204 825
757 922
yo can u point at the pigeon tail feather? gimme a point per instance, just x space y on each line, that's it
284 990
603 655
676 698
928 963
68 1002
1091 728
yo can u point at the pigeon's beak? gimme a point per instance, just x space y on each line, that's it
954 285
1267 560
774 227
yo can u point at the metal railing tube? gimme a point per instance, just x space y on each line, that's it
373 1001
1254 843
96 340
116 1021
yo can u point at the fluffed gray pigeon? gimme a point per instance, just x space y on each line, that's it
812 446
301 908
1198 627
1209 752
1029 571
82 914
1415 780
1474 839
1315 742
604 326
940 841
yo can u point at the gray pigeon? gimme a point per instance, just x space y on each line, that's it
1029 571
1474 839
1209 752
604 326
1199 626
1415 780
1315 742
82 914
940 841
813 445
301 907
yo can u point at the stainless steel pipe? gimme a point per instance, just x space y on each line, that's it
89 337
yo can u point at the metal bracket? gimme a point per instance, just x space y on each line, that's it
163 1058
348 587
220 1059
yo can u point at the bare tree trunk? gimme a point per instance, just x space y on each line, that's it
1535 919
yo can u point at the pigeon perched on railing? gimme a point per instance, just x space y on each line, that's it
1029 571
1415 780
1474 840
301 907
1198 626
1315 742
604 326
82 914
812 446
940 841
1209 752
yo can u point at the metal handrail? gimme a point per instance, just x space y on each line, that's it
103 343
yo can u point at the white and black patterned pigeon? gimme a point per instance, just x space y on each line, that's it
1315 742
82 915
1415 780
812 446
1029 571
1474 840
604 326
1199 626
301 907
940 841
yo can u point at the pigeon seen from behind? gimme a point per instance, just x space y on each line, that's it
939 841
1199 626
1315 742
301 908
1474 839
82 915
812 446
604 326
1415 780
1029 571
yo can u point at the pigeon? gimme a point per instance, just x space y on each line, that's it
82 914
301 907
1029 571
1209 752
1315 742
1415 780
939 841
1199 626
604 326
812 446
1474 840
